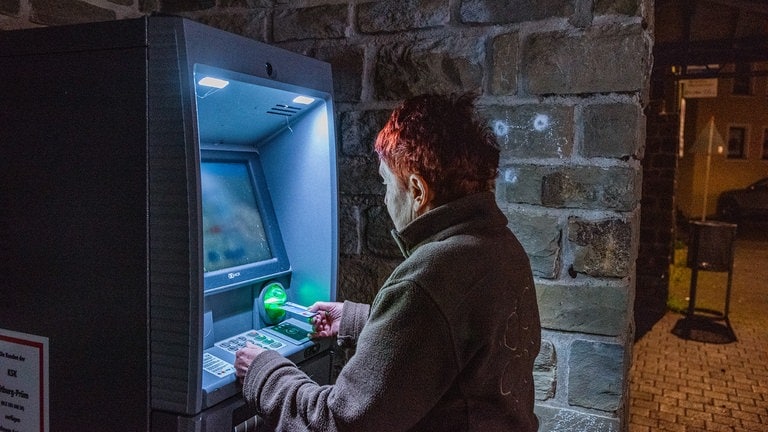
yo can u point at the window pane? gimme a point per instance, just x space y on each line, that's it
736 139
765 144
741 82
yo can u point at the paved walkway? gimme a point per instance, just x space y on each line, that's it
708 381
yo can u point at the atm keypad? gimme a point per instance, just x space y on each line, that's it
236 342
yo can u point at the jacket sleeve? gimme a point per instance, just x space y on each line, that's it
404 363
352 322
285 397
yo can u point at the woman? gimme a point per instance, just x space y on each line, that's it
450 340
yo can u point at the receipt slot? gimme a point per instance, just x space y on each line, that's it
160 181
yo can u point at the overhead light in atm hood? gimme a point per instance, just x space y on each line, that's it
213 82
304 100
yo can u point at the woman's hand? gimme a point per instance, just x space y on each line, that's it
326 322
244 357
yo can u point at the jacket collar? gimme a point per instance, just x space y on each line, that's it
444 220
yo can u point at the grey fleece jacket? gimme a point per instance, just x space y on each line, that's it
448 345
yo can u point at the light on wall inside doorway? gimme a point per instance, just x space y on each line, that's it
681 134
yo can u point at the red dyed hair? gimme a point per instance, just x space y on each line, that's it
442 139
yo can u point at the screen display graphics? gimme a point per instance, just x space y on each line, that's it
233 229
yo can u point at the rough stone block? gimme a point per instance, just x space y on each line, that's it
250 25
347 67
587 187
612 130
512 11
591 187
445 65
565 420
10 7
520 183
359 130
612 58
582 16
245 3
350 228
545 371
591 309
174 6
359 176
505 63
540 236
402 15
61 12
596 375
535 130
319 22
602 248
149 6
378 229
642 135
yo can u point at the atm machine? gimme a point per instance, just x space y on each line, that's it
168 193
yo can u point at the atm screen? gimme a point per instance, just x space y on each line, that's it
233 229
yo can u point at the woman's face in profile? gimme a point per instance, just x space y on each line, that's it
397 199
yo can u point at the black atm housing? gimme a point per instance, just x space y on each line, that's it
100 153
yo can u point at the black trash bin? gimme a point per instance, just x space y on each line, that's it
710 248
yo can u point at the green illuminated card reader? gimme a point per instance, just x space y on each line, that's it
274 306
290 321
270 303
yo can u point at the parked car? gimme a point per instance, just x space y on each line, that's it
750 203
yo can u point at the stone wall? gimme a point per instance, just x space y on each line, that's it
562 83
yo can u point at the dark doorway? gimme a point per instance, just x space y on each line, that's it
697 40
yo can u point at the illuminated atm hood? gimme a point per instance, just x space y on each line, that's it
245 111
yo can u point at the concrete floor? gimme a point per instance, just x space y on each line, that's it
714 377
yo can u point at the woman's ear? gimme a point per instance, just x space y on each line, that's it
421 194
